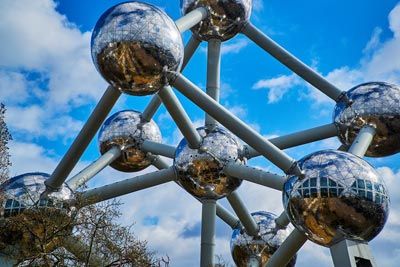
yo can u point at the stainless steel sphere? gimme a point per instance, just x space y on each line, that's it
23 192
126 130
256 251
200 171
340 197
227 17
376 103
133 46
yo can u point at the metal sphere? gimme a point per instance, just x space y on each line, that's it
126 130
340 197
200 171
23 192
134 45
376 103
227 17
247 250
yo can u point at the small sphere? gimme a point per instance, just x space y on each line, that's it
200 171
247 249
372 103
227 17
134 45
126 130
339 197
23 192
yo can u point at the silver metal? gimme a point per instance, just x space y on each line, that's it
372 103
283 220
190 19
226 17
228 217
159 163
128 131
340 196
200 171
180 116
133 45
128 186
213 76
238 127
298 138
363 141
90 171
190 48
208 233
287 250
249 224
83 139
151 108
25 192
292 62
158 148
349 253
248 250
254 175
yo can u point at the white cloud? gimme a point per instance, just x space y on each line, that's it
277 87
233 47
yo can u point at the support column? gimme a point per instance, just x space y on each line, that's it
83 139
244 215
213 76
191 19
349 253
363 140
207 257
151 108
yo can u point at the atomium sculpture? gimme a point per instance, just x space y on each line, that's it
332 197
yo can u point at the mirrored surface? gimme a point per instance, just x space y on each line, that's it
126 130
133 45
199 171
247 250
226 19
23 192
376 103
340 197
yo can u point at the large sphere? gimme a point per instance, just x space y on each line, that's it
200 171
134 45
248 249
227 17
340 197
126 130
23 192
376 103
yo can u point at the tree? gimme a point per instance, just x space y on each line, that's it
5 137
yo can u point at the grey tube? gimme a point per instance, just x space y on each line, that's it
180 117
191 19
83 139
151 108
363 140
254 175
228 217
244 215
158 148
128 186
287 250
299 138
190 48
208 233
90 171
283 220
235 125
213 76
292 62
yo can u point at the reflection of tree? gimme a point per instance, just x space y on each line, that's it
4 139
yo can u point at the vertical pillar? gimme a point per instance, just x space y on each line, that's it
348 253
208 233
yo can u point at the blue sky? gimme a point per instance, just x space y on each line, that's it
49 85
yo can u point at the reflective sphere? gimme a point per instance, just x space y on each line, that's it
23 192
376 103
340 197
248 249
226 19
126 130
199 171
134 45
